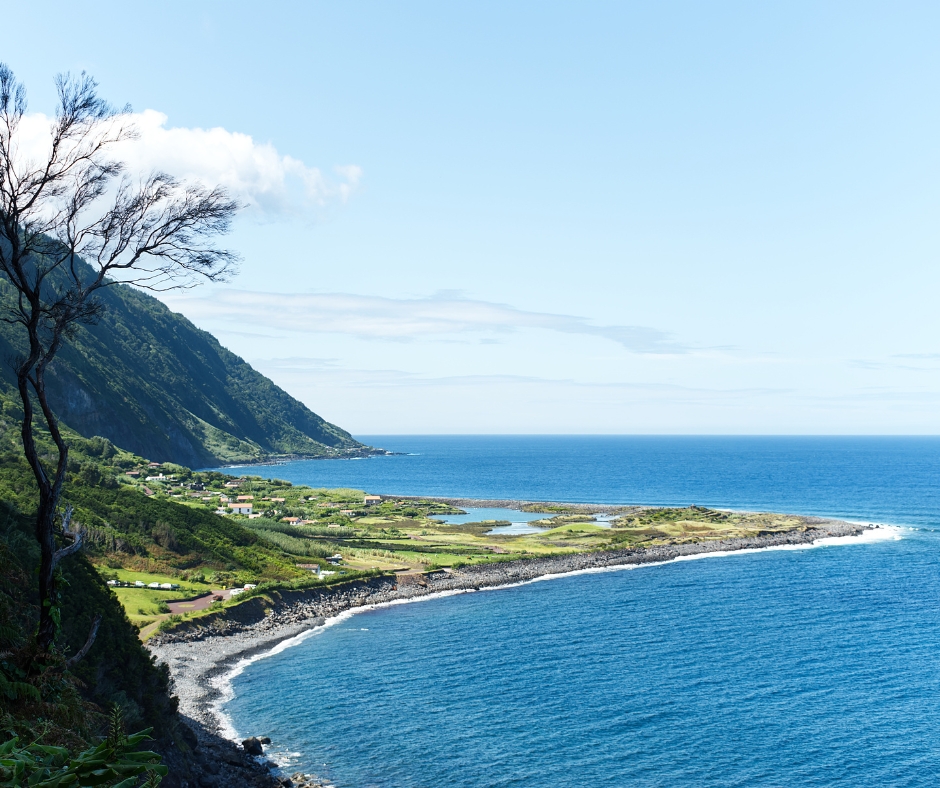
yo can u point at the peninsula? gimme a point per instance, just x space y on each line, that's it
201 651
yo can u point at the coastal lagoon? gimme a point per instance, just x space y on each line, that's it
811 666
518 521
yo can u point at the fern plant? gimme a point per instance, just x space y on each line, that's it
114 763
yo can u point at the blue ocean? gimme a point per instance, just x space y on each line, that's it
806 667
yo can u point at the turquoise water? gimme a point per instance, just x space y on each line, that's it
777 668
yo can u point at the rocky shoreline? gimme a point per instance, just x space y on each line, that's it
201 652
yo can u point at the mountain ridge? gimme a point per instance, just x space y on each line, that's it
152 382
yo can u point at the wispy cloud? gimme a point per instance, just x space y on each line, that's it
441 315
272 184
338 374
910 362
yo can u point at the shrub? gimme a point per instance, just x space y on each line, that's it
116 761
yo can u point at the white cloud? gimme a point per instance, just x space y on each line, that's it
270 183
401 319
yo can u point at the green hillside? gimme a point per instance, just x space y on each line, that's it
121 526
151 382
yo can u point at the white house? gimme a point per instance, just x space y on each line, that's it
240 508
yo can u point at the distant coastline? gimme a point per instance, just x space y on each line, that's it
283 459
202 653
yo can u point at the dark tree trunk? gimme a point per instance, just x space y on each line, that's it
48 593
31 380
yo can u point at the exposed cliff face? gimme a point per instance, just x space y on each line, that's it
153 383
146 429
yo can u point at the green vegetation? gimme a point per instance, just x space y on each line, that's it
39 701
115 761
150 381
144 606
696 523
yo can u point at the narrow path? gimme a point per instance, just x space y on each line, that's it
148 630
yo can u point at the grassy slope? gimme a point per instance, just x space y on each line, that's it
173 530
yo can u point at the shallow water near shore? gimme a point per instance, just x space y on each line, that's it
780 667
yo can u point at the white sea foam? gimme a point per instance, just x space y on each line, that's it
223 683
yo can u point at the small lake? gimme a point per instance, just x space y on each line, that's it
519 520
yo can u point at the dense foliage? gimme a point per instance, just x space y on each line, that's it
38 699
116 761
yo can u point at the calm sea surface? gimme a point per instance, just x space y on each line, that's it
779 668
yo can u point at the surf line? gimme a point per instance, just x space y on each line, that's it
223 682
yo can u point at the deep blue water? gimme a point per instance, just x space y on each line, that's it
807 667
865 477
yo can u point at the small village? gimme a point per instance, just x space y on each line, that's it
252 498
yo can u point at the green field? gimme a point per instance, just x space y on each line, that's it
144 606
300 528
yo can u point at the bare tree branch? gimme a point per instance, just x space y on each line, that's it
76 539
79 655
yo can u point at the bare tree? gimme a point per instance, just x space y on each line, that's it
72 222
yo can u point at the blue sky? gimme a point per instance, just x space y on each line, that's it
552 217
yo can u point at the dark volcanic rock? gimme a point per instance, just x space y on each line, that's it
217 763
252 746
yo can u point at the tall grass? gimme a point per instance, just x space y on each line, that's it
290 539
321 530
295 546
